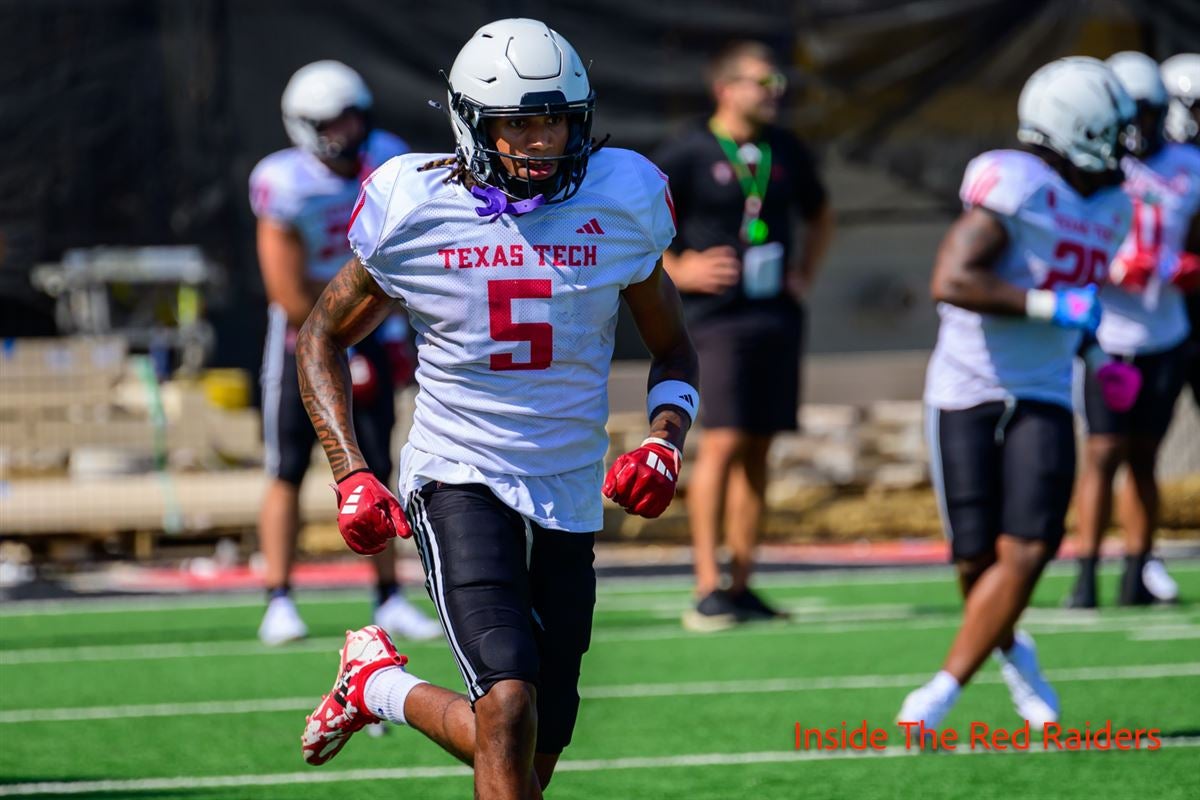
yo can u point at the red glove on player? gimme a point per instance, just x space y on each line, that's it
403 360
368 514
364 381
1133 273
1187 273
643 481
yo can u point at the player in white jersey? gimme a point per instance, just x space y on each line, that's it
1145 326
511 257
303 197
1181 74
1014 280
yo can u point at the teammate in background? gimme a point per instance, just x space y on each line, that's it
1181 75
511 257
1145 330
741 184
303 197
1014 284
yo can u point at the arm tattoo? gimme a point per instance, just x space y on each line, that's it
349 308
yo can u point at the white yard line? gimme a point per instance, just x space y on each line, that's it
617 692
1165 633
831 577
412 773
815 620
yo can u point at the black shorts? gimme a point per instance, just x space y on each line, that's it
1192 367
515 599
1163 376
288 434
1001 468
1193 346
750 369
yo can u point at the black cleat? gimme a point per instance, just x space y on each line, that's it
1084 593
713 612
752 608
1133 588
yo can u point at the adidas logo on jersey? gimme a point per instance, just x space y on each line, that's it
351 504
591 226
687 398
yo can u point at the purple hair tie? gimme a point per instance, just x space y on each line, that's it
499 203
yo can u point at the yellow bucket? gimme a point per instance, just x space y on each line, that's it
227 388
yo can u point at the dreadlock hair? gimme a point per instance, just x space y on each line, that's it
458 168
458 173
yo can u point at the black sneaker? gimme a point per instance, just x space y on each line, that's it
1084 593
714 612
1133 589
750 607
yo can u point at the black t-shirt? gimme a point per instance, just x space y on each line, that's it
709 202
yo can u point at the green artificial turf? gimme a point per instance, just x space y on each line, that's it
691 707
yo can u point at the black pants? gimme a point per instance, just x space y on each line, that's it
515 599
750 369
1163 377
288 434
1002 468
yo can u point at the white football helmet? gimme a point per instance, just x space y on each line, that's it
317 93
1181 75
520 67
1077 108
1138 74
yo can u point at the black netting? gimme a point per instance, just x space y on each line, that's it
137 122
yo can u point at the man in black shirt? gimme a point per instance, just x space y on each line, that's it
740 185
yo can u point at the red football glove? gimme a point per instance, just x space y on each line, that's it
368 514
364 380
643 481
1187 273
1133 273
403 360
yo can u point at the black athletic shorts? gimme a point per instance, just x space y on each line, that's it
1193 345
1163 376
1193 369
288 434
750 369
1002 468
515 599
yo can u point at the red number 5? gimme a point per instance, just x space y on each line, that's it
540 335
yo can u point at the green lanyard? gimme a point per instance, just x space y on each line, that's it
754 186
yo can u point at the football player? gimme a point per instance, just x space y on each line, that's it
511 257
1181 75
1145 328
302 197
1015 284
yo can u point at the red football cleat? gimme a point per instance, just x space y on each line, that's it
343 712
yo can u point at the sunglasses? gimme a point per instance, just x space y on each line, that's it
775 82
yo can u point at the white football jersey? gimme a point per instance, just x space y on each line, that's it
1057 239
515 319
294 188
1165 191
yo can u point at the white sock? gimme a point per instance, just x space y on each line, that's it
386 692
945 686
